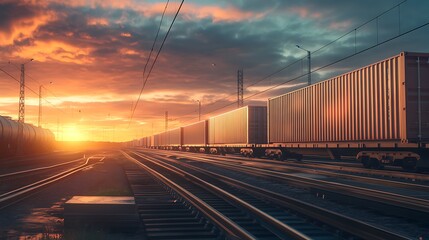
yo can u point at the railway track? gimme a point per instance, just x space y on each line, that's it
340 167
387 181
268 208
384 197
12 196
388 178
287 168
38 169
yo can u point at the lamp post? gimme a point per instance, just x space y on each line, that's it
309 63
40 104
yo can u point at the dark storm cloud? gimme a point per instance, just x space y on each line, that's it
11 12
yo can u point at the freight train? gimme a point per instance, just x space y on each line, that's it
33 139
378 113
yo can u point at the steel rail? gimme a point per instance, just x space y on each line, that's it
280 226
18 194
342 222
39 169
334 174
416 204
396 174
232 229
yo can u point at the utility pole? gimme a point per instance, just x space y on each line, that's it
40 105
39 122
240 88
309 63
166 121
199 110
21 115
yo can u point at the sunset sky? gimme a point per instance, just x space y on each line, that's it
94 53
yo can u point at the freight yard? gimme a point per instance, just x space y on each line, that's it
214 120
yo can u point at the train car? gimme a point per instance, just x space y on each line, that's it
379 112
146 141
240 128
8 136
195 134
171 139
32 140
227 132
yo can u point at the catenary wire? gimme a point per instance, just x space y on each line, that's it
154 62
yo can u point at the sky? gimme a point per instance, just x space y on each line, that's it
89 56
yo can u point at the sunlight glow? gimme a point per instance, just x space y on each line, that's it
73 133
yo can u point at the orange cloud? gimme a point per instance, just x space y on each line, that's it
219 14
193 11
55 50
305 13
125 51
340 25
24 28
98 21
126 34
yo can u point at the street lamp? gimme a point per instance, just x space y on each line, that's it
40 103
309 63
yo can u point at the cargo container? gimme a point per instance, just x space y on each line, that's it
174 137
384 102
158 141
246 125
145 141
195 134
374 112
170 138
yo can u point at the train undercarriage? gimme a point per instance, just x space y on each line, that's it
376 158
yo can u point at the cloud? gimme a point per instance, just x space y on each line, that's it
54 51
20 20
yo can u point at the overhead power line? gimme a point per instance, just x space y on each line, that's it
298 60
322 67
332 63
156 38
154 62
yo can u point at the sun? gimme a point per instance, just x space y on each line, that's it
73 133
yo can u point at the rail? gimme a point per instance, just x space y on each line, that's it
7 199
358 228
282 227
39 169
328 173
412 203
226 224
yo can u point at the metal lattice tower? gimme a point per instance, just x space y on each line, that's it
22 96
240 91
